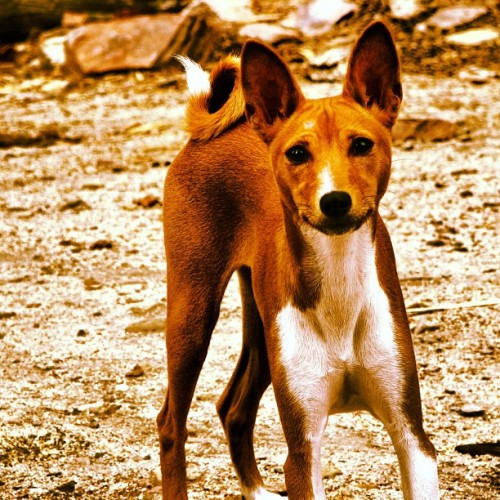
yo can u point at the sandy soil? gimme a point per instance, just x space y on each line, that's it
81 259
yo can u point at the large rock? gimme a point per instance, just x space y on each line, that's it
142 42
132 43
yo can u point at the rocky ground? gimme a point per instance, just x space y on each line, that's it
82 358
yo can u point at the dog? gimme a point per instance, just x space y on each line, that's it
285 192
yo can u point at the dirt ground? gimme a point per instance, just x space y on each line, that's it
81 259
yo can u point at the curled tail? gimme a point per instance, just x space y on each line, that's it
216 100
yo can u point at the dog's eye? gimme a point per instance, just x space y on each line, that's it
297 155
361 146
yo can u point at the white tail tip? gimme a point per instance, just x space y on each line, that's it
198 80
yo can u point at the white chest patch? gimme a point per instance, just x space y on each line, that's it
348 336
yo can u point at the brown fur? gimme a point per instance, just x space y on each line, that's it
209 114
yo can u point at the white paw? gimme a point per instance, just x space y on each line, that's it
260 493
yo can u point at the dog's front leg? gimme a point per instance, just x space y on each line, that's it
417 461
304 418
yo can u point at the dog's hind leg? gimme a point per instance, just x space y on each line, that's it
192 313
238 405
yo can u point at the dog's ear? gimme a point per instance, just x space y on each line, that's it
373 78
270 91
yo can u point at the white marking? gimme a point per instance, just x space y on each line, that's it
322 341
349 333
419 473
259 493
198 80
326 183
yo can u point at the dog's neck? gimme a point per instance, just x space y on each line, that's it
320 264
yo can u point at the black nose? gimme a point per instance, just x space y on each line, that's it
335 204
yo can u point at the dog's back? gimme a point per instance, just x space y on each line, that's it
223 171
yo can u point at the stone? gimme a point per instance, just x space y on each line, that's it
476 75
317 17
234 11
68 487
425 129
135 372
471 410
480 449
268 33
136 42
328 59
453 17
147 326
473 37
405 10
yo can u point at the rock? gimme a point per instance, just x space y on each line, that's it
142 42
235 11
480 449
426 130
330 471
435 243
68 487
268 33
77 205
92 284
148 201
466 193
52 48
147 326
473 37
476 75
101 245
7 315
72 19
135 372
405 10
327 59
46 136
317 17
471 410
453 17
131 43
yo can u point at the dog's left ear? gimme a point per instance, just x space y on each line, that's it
271 93
373 78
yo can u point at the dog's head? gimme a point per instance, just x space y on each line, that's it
332 156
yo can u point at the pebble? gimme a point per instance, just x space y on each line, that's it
473 37
68 487
75 205
405 9
147 326
137 371
476 75
471 410
101 245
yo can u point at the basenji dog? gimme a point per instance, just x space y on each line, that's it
285 192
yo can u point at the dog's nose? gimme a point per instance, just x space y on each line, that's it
335 203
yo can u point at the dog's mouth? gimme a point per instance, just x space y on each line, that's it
338 226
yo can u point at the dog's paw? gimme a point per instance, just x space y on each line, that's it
261 494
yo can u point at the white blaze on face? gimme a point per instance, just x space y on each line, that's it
326 183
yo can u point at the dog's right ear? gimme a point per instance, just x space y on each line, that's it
270 91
